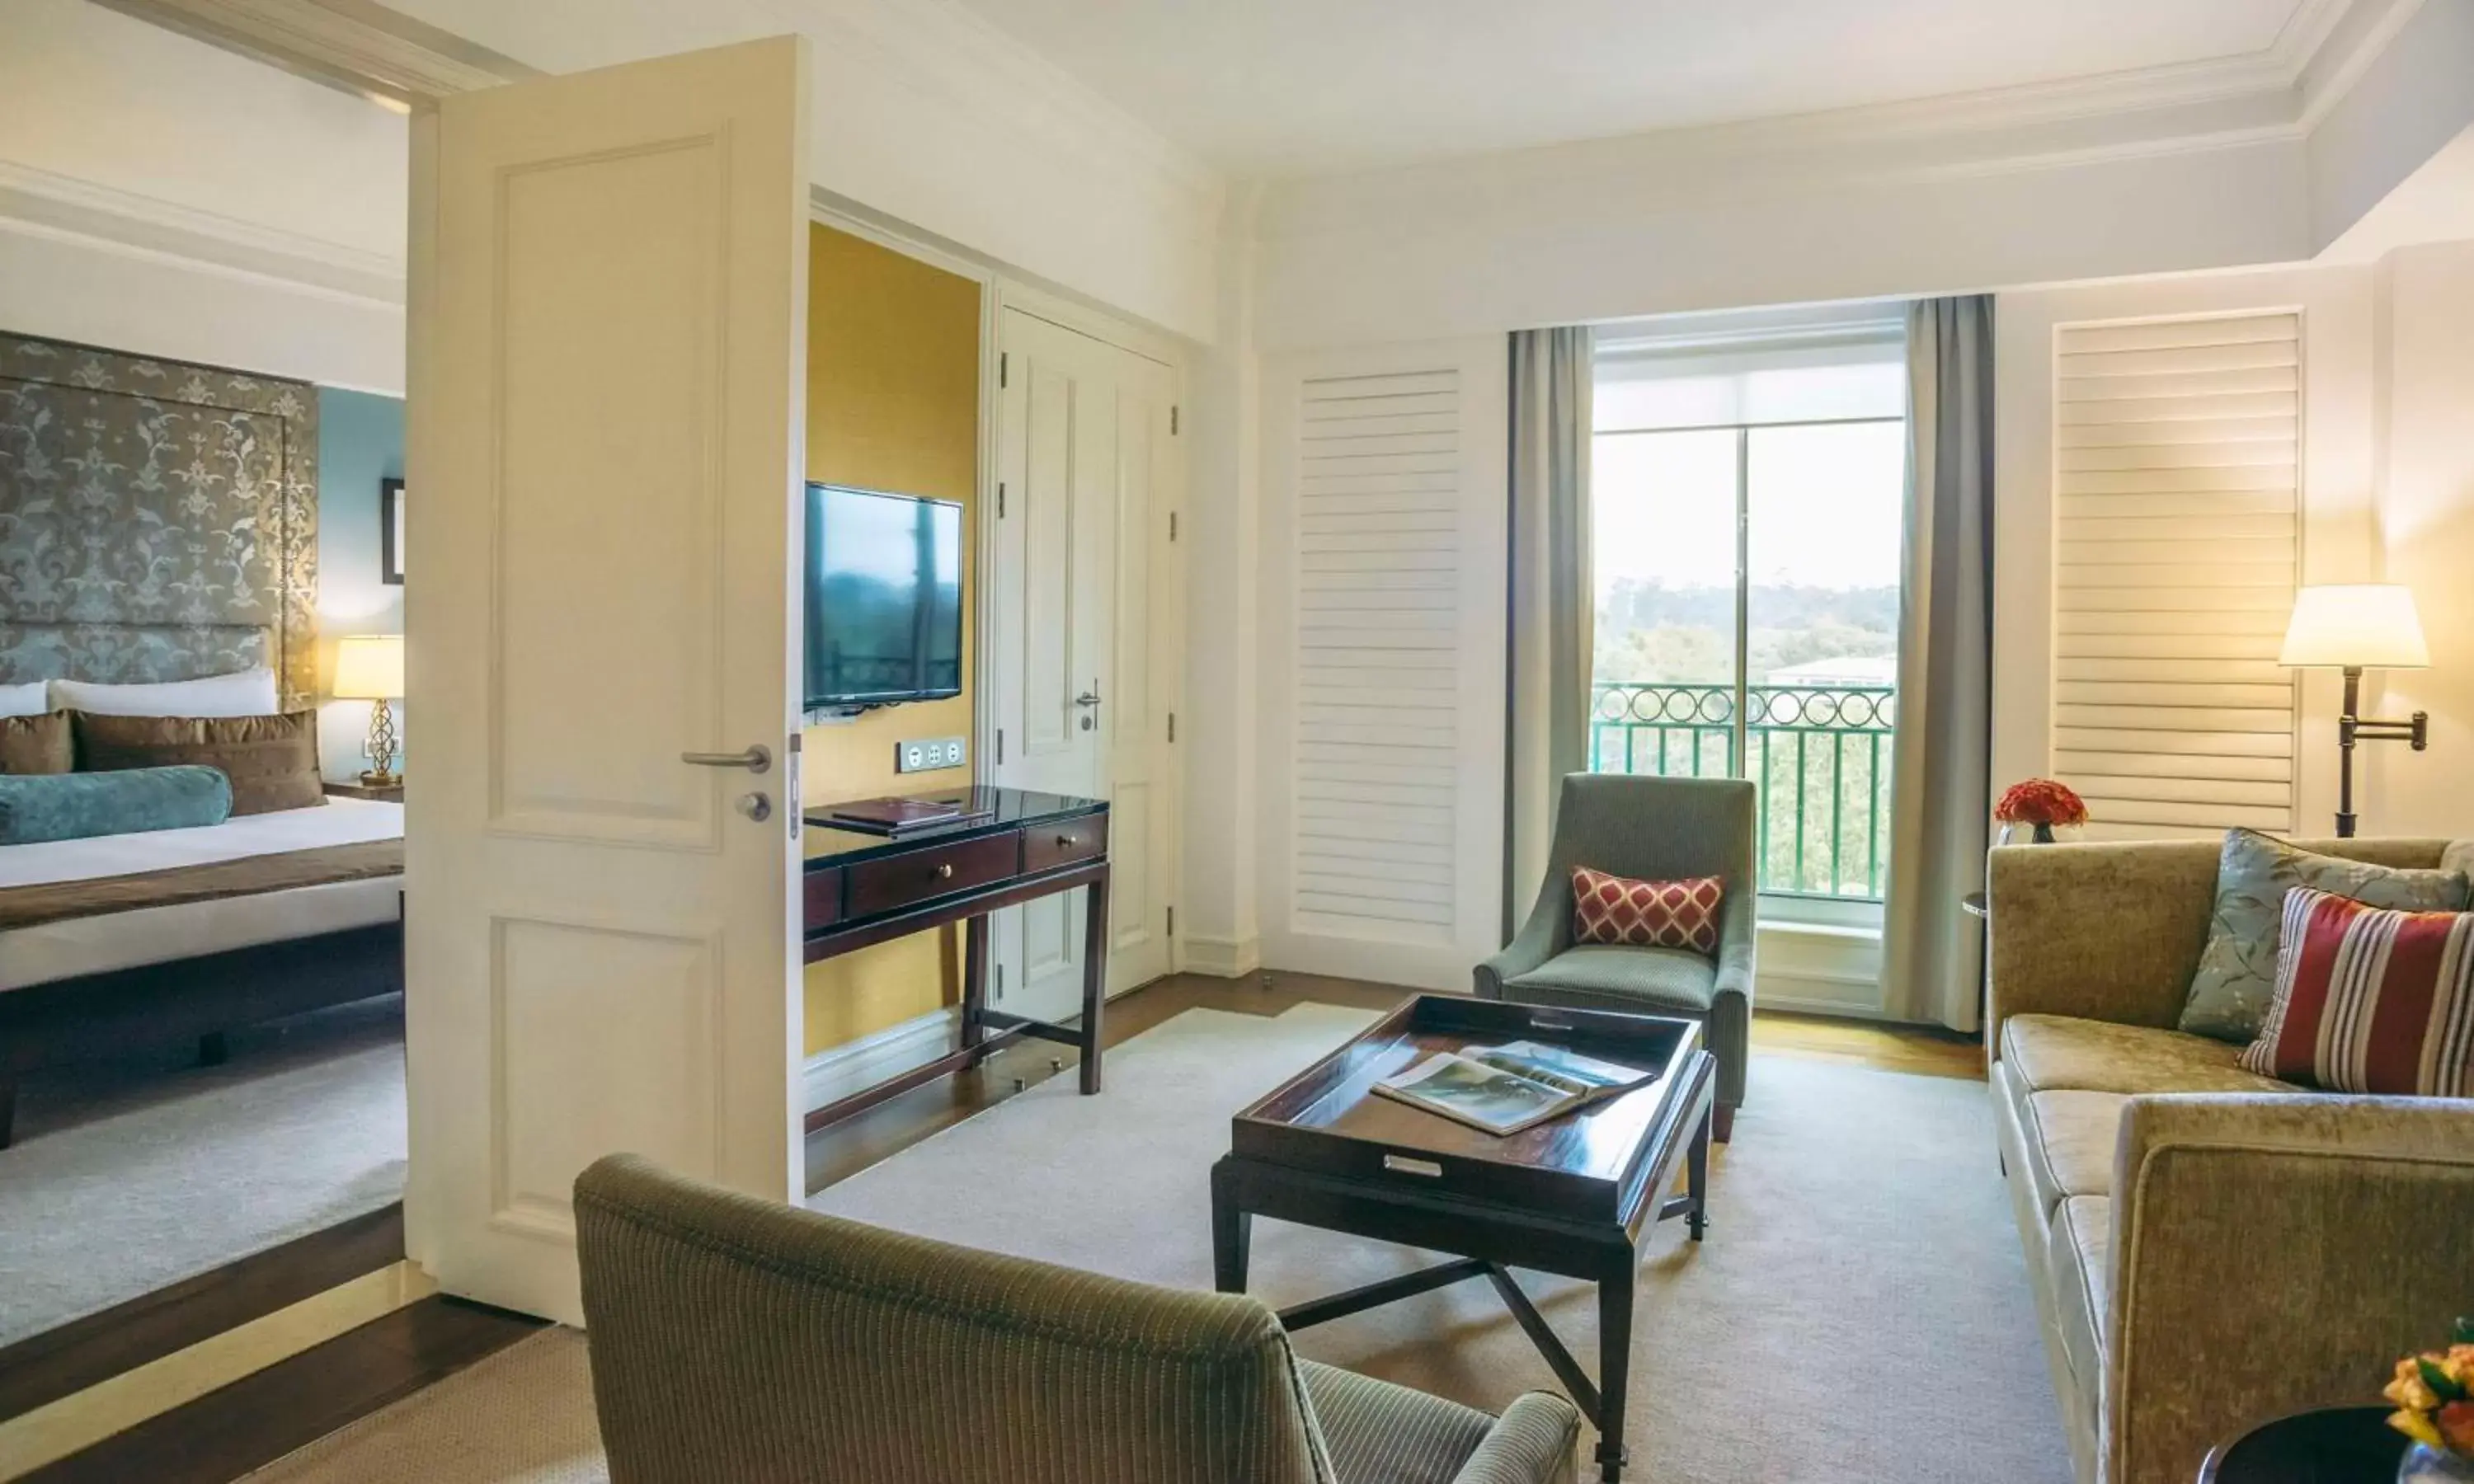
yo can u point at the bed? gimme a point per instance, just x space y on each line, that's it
134 940
193 556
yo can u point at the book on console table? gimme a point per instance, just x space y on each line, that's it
1503 1090
901 813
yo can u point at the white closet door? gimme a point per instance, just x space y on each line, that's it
607 309
1384 575
1084 670
1149 641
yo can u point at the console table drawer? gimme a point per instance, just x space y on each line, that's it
820 897
1047 846
896 881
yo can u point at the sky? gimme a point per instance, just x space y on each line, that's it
1826 506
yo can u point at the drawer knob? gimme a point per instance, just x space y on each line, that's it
1067 840
945 872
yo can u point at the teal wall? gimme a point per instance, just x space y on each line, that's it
360 442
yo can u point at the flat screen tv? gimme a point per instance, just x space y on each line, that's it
884 598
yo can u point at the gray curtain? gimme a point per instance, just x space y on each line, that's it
1932 951
1553 599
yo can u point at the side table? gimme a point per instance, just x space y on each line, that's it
393 793
2340 1445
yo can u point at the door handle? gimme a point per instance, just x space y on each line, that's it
1087 698
756 759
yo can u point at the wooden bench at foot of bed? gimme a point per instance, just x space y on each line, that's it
97 1015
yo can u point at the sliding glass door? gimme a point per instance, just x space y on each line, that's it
1747 577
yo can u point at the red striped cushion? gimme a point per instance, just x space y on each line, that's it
2370 1000
1645 914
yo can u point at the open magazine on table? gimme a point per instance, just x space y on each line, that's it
1503 1090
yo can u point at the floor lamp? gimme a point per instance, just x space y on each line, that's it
2354 627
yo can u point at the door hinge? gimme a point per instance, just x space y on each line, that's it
999 747
1000 989
1172 525
1172 726
1172 420
1172 922
999 499
1001 369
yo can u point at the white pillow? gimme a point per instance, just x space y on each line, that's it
247 693
25 700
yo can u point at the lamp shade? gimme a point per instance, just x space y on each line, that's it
2372 625
369 667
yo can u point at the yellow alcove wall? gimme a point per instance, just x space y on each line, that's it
893 404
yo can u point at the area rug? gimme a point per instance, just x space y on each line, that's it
128 1176
1858 1314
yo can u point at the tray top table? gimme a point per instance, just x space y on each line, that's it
1573 1195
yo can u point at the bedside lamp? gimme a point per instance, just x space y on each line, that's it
2353 627
370 667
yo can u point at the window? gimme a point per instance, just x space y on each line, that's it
1747 500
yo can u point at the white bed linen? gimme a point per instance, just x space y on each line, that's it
337 822
156 935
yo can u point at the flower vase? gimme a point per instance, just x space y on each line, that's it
2423 1464
2037 832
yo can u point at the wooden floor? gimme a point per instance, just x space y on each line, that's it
253 1421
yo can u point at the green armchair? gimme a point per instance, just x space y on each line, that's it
1649 828
734 1338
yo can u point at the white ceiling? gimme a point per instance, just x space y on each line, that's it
1282 88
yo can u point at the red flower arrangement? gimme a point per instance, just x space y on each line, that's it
2041 802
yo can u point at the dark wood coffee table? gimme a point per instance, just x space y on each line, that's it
1572 1196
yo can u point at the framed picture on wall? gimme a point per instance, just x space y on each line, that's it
391 532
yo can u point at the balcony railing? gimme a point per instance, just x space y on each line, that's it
1818 755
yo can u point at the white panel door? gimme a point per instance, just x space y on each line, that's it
1084 672
1146 641
608 312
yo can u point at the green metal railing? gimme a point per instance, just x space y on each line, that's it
1818 755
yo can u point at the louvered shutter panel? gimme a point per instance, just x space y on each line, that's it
2177 508
1378 652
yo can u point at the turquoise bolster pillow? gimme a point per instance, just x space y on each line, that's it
40 806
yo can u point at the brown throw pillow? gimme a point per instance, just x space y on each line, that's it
37 743
271 761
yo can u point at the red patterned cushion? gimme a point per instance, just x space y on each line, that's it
1645 914
2370 1000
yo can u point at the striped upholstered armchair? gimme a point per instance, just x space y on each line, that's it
734 1338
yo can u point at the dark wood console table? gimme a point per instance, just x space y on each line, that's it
862 889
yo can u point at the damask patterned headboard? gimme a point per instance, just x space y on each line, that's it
159 521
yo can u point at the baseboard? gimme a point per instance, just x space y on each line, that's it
1222 958
1818 1005
836 1073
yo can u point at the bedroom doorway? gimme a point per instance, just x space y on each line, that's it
202 1114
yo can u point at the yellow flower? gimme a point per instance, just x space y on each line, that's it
2409 1390
2418 1426
2459 1362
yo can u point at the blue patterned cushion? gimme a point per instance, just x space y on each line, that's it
36 807
2237 978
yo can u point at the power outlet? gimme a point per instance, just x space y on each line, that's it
928 754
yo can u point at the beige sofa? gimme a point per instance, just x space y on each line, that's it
2209 1248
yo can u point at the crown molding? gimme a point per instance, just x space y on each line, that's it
357 45
2252 100
2355 40
62 206
945 49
